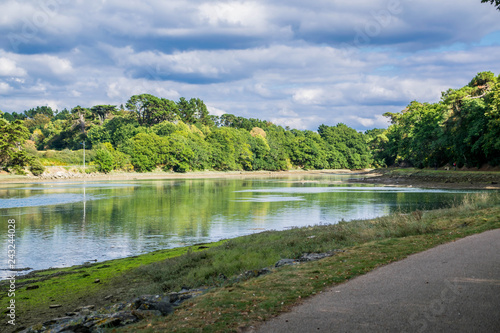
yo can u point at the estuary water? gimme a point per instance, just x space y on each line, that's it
65 224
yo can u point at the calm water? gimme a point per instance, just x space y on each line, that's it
64 224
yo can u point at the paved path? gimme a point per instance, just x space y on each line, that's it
454 287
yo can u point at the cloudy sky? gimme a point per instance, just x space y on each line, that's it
296 63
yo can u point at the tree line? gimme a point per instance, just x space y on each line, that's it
462 128
150 132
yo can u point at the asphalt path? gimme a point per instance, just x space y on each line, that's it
454 287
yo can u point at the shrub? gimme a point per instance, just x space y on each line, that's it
36 167
104 160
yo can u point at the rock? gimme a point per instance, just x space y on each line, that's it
32 287
126 318
55 320
97 281
286 262
146 314
84 312
306 257
83 320
255 273
87 307
316 256
159 303
55 306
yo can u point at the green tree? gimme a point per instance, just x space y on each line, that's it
104 160
44 110
101 112
348 142
12 137
230 149
146 151
151 110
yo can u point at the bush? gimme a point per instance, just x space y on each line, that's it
36 167
146 151
104 160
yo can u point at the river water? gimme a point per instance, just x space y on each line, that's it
65 224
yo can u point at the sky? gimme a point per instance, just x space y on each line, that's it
296 63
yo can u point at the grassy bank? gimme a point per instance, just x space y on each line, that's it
430 176
238 302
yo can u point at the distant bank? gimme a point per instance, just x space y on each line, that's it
62 174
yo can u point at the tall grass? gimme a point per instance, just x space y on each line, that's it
65 157
220 265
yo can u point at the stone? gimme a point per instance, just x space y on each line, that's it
55 306
286 262
154 303
87 307
146 314
83 320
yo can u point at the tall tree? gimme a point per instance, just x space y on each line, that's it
150 109
12 137
186 110
101 112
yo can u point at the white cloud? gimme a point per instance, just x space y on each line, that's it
282 60
215 111
234 13
378 121
9 67
287 112
5 88
308 96
301 123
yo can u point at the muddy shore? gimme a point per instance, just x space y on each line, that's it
61 174
488 180
480 180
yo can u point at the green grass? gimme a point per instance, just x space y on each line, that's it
64 157
67 285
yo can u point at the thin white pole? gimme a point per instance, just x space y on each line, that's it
83 155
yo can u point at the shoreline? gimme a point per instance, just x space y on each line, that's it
426 178
472 180
434 179
10 179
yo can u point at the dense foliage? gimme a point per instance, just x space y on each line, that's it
12 155
152 132
462 128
